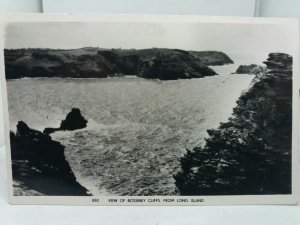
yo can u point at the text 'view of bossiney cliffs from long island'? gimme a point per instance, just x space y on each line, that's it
203 116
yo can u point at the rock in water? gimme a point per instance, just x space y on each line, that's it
74 120
39 163
250 69
250 154
50 130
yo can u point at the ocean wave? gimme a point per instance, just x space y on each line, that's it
137 130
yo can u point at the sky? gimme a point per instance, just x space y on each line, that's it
254 41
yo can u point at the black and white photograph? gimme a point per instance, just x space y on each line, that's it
150 110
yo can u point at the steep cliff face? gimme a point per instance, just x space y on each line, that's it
251 153
39 164
54 63
101 63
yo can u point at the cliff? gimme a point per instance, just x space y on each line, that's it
174 66
39 164
251 153
156 63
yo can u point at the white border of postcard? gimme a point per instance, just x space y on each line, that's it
156 200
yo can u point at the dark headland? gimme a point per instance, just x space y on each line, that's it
39 163
251 153
154 63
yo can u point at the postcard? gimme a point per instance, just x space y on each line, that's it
150 109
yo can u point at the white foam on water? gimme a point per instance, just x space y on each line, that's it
138 129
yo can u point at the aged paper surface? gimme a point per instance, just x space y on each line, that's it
150 110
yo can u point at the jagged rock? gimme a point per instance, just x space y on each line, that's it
250 154
249 69
39 162
74 120
279 61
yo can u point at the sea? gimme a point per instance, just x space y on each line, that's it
137 128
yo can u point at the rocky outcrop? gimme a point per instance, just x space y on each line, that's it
74 121
172 67
39 163
250 69
101 63
251 153
212 58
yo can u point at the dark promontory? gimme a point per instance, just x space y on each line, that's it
251 153
40 166
154 63
74 121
